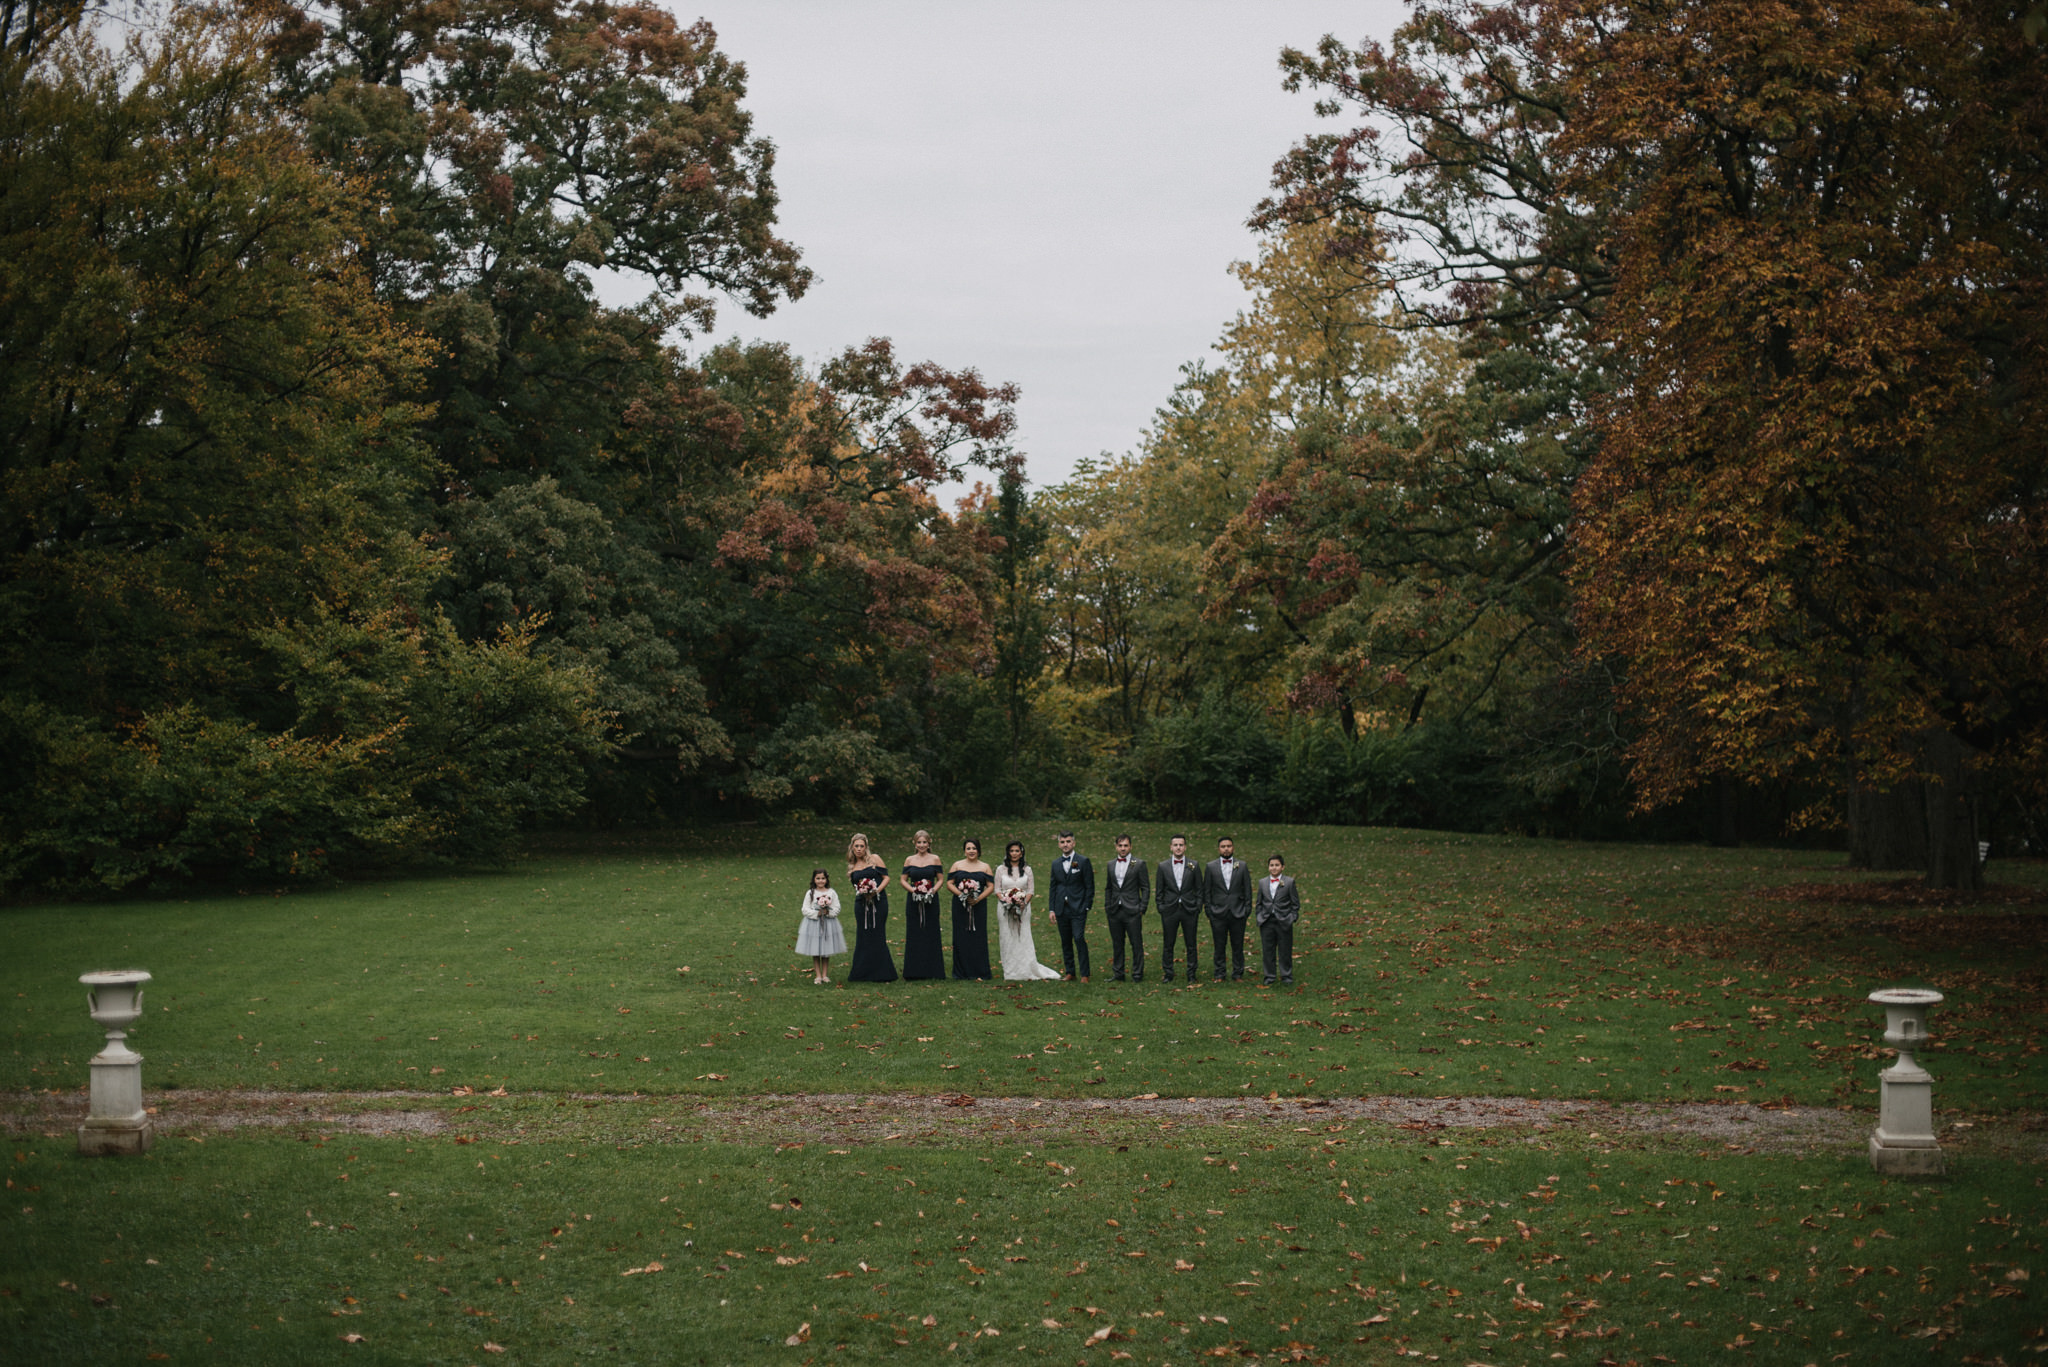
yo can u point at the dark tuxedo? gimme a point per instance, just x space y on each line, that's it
1229 907
1277 911
1124 905
1071 899
1180 906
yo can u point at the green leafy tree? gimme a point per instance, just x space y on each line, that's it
208 452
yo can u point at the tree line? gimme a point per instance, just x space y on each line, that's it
1633 427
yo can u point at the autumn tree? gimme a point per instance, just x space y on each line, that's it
1814 530
845 591
1418 548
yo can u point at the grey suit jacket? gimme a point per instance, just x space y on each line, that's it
1132 896
1285 907
1235 901
1185 899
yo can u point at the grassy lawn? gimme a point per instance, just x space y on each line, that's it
1320 1243
1429 964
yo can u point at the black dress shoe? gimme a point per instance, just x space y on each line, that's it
1118 978
1137 977
1219 975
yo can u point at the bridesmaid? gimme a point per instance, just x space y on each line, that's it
872 962
924 952
970 878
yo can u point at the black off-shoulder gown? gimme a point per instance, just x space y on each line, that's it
924 949
970 929
872 962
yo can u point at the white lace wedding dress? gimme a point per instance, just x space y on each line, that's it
1013 932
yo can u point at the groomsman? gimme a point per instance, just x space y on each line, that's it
1279 907
1227 897
1180 901
1126 892
1073 896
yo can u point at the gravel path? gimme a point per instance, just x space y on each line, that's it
907 1118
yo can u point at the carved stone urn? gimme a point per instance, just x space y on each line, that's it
116 1121
1903 1144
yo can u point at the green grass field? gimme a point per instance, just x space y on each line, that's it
1288 1246
1429 965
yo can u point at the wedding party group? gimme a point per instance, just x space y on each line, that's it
1223 891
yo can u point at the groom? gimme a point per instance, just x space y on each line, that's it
1073 894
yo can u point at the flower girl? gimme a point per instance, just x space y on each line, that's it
820 936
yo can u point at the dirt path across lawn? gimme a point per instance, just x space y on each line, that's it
923 1119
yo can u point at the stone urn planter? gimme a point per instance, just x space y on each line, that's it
1903 1144
116 1121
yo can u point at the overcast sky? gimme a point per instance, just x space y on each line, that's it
1049 192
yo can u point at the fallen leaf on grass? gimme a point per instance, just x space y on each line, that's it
1182 1265
784 1261
1376 1319
1052 1324
351 1338
636 1271
802 1335
494 1347
1100 1334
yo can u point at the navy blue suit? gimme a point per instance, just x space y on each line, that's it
1071 899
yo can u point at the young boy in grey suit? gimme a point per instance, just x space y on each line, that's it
1278 908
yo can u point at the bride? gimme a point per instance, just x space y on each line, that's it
1014 890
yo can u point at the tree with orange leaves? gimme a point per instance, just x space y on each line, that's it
1814 531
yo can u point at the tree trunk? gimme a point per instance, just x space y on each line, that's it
1954 790
1727 818
1888 826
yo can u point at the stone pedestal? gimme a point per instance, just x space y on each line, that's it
1903 1144
115 1121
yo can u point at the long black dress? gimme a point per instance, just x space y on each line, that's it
924 952
970 929
872 962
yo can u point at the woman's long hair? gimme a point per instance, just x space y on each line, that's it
860 840
1018 866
